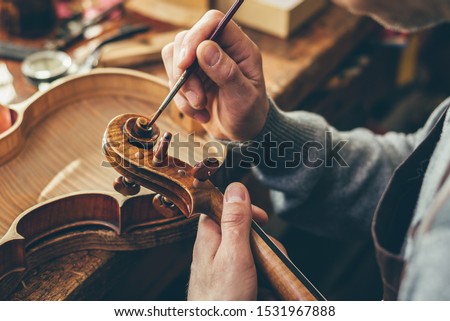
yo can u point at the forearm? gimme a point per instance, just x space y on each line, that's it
337 178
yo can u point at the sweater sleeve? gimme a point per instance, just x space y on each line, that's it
323 180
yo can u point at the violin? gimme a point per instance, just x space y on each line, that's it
56 193
62 201
140 155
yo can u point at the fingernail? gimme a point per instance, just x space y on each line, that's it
193 98
234 193
211 55
181 56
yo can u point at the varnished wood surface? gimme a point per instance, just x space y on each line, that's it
63 154
93 274
54 150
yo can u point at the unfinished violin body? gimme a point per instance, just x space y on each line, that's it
56 187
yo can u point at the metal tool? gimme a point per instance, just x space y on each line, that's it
46 66
192 68
123 33
12 51
79 29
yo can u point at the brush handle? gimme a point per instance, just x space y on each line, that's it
193 68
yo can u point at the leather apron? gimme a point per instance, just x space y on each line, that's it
396 208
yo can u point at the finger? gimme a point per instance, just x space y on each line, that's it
236 218
194 92
259 215
177 51
193 88
198 33
222 70
232 38
167 57
207 241
181 102
183 105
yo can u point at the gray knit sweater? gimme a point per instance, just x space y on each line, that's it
338 196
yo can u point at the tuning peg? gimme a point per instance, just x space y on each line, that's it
138 133
165 207
126 187
204 170
161 152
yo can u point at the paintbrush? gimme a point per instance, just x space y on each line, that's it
192 68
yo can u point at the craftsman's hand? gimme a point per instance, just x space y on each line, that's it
228 93
223 266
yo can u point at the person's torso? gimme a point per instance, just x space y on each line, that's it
407 200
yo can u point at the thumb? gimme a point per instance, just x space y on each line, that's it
220 68
236 216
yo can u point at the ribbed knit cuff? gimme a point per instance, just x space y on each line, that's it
282 127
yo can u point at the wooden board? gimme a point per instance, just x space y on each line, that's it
136 51
183 13
275 17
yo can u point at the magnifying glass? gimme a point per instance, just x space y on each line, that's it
46 66
43 67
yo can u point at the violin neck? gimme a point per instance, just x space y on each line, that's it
286 279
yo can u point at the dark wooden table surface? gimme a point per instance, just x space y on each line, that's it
293 68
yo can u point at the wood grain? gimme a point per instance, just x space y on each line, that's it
57 194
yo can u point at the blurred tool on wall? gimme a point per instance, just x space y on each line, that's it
27 18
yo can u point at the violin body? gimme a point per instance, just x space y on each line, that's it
56 187
58 166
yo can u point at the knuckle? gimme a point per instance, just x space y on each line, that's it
232 73
180 36
181 103
233 215
184 107
256 53
190 85
167 51
233 236
214 14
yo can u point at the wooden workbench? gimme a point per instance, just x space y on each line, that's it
293 70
